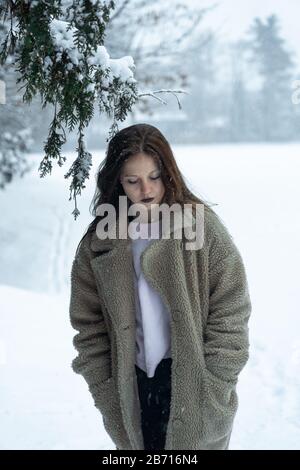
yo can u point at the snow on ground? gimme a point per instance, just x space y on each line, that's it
44 405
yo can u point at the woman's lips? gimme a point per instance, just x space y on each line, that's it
148 199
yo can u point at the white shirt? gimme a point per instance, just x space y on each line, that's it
153 338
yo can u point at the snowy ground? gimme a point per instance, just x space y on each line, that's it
44 405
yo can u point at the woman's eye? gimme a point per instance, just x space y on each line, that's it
151 177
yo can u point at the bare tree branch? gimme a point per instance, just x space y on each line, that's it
173 92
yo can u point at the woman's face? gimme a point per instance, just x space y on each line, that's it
141 180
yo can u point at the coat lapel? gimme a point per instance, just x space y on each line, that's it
115 271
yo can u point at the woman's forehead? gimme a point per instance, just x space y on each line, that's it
139 162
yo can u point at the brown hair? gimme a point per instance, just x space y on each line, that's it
130 141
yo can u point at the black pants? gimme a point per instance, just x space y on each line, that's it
155 397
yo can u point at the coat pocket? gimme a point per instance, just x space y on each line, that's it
220 404
106 400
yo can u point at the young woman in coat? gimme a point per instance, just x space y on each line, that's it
162 329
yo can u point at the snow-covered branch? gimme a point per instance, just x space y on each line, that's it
64 60
154 93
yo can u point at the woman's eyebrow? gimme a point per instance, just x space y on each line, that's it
156 169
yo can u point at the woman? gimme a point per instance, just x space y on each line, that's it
163 330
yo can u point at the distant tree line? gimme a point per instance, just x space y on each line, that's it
245 95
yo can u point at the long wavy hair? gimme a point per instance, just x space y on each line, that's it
131 141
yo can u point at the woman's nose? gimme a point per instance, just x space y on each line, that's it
146 188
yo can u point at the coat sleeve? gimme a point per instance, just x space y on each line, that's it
226 341
92 343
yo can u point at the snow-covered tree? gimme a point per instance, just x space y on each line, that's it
15 135
61 56
274 64
165 40
201 105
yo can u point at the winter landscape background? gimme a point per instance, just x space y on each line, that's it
255 183
44 404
